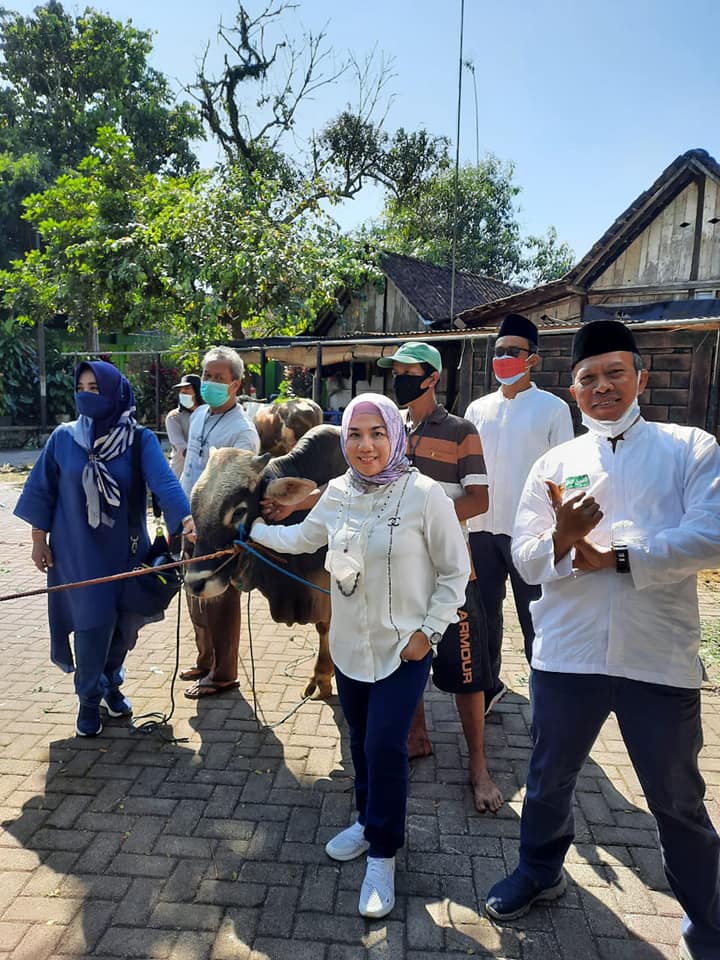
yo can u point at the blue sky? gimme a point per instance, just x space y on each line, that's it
591 99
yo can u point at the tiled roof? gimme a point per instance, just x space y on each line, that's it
427 287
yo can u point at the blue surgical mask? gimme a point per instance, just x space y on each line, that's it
214 394
93 405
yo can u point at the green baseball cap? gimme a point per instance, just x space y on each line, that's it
415 351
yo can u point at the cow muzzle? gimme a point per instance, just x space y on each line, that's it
206 584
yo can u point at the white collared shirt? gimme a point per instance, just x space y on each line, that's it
660 494
514 433
234 428
423 583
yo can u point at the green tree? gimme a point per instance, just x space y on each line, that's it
547 258
252 109
199 257
113 255
271 258
489 240
488 235
64 77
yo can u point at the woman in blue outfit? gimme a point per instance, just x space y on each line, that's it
78 493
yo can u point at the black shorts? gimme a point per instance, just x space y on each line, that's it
462 664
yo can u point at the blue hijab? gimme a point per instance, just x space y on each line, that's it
116 392
105 428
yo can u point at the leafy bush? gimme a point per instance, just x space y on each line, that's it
144 385
19 372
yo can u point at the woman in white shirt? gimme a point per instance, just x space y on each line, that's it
399 565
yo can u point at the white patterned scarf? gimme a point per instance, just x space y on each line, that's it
102 493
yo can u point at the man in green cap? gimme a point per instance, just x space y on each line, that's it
447 449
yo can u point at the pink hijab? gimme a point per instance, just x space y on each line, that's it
398 464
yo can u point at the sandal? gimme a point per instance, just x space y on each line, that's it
199 690
193 673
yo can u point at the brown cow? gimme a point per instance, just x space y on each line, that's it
228 495
280 425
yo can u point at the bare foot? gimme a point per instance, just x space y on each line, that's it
488 798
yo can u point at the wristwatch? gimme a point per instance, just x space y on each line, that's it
622 557
433 638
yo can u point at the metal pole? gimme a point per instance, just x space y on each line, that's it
457 165
157 392
471 67
42 360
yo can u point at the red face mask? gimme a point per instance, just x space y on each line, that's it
509 369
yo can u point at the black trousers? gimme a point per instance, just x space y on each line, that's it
493 565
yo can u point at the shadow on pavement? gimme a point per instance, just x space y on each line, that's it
215 848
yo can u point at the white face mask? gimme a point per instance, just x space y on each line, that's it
613 428
186 400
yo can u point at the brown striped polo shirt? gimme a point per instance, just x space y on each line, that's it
448 449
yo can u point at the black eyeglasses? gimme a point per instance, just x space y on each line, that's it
510 351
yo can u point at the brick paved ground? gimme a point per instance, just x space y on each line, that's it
211 849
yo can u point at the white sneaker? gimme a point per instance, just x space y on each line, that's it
348 844
377 894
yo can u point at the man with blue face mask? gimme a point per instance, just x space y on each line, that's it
220 422
615 526
517 424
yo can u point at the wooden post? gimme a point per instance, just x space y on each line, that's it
317 379
263 374
465 377
489 350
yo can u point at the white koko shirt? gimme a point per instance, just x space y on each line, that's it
660 494
514 433
422 584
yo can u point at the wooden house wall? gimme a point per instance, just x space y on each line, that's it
364 313
679 364
663 252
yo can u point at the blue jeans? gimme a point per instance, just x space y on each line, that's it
661 728
378 716
493 565
99 657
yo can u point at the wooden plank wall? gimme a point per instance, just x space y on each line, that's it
663 252
709 264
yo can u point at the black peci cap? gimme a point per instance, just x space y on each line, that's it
515 325
601 336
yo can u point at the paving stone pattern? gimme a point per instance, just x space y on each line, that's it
212 848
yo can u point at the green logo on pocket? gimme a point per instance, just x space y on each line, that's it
577 483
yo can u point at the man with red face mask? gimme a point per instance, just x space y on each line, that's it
517 424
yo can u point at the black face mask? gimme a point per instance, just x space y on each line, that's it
407 388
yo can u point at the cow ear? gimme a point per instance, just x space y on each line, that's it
289 490
260 462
